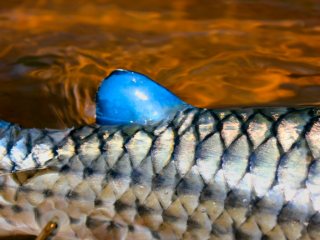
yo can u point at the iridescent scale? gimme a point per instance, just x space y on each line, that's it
203 174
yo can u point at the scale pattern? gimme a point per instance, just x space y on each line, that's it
205 174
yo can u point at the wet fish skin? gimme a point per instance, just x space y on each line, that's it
205 174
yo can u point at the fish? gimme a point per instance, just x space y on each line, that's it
155 167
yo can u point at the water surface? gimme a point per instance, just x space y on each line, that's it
54 53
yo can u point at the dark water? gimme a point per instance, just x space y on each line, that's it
54 53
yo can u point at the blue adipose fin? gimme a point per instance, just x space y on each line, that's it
127 97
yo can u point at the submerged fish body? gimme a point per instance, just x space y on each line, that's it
198 174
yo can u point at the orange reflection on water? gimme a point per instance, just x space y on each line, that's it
53 54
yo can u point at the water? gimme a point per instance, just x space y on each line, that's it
53 54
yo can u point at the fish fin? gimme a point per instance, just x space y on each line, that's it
126 97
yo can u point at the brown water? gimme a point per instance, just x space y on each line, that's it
54 53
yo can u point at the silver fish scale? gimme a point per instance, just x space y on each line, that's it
242 174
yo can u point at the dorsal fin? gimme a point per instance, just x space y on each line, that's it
127 97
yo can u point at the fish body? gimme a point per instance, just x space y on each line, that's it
204 174
164 170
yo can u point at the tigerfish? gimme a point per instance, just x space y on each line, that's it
155 167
